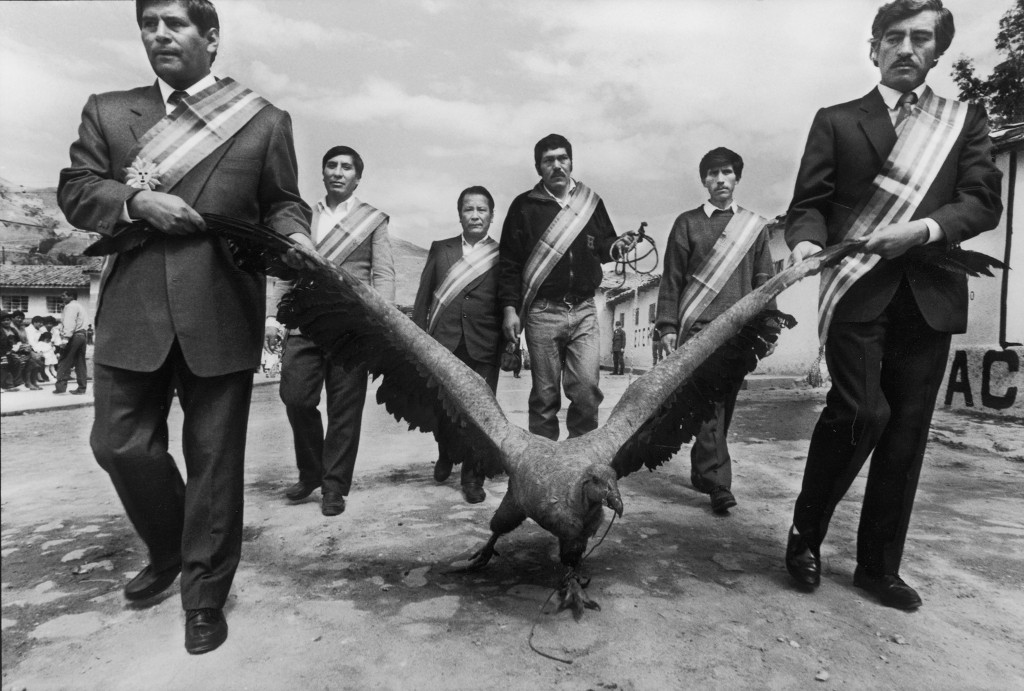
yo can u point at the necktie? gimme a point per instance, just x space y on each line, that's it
175 99
904 107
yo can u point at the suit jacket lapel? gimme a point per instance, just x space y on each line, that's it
147 112
452 253
876 125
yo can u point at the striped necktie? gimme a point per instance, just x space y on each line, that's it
904 107
175 99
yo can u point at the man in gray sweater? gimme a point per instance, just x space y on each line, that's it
715 254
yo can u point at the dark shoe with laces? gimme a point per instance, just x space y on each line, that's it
149 582
332 504
722 500
473 492
803 561
300 490
890 589
205 630
78 392
442 469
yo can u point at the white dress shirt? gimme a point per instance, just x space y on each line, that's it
710 208
330 218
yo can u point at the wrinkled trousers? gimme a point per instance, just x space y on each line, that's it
564 344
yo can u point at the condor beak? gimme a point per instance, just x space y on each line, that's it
614 502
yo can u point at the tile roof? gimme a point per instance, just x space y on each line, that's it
615 289
46 276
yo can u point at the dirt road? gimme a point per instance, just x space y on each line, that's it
689 599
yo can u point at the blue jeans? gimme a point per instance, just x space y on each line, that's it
563 341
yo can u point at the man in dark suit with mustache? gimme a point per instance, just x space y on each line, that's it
164 153
902 167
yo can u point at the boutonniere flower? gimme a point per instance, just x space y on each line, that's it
142 175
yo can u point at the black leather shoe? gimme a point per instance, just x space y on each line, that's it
77 392
205 630
890 590
474 492
442 469
722 500
300 490
332 504
150 582
802 561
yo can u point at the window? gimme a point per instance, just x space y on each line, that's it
636 316
651 312
54 305
10 303
622 318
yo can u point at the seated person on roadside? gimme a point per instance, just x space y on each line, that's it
53 327
10 344
354 236
885 319
32 363
44 346
457 304
547 288
715 254
34 330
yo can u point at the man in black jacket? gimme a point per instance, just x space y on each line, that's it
547 288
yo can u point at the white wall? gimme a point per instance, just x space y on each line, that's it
985 370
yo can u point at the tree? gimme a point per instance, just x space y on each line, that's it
1003 91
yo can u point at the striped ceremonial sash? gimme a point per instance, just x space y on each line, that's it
350 232
729 249
555 241
460 275
921 148
203 121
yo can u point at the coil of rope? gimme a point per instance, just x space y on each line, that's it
637 253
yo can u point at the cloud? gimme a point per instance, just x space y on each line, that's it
248 25
438 94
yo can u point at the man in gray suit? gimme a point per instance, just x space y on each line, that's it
156 153
354 236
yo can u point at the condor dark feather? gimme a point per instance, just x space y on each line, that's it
693 403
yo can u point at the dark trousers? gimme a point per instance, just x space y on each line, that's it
73 356
710 462
618 363
488 371
328 459
11 375
198 521
886 375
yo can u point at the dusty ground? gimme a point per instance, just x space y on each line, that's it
689 599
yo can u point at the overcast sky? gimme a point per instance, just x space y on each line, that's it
438 95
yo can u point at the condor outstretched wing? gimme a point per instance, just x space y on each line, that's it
662 410
422 380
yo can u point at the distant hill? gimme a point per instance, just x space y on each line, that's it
409 262
29 217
